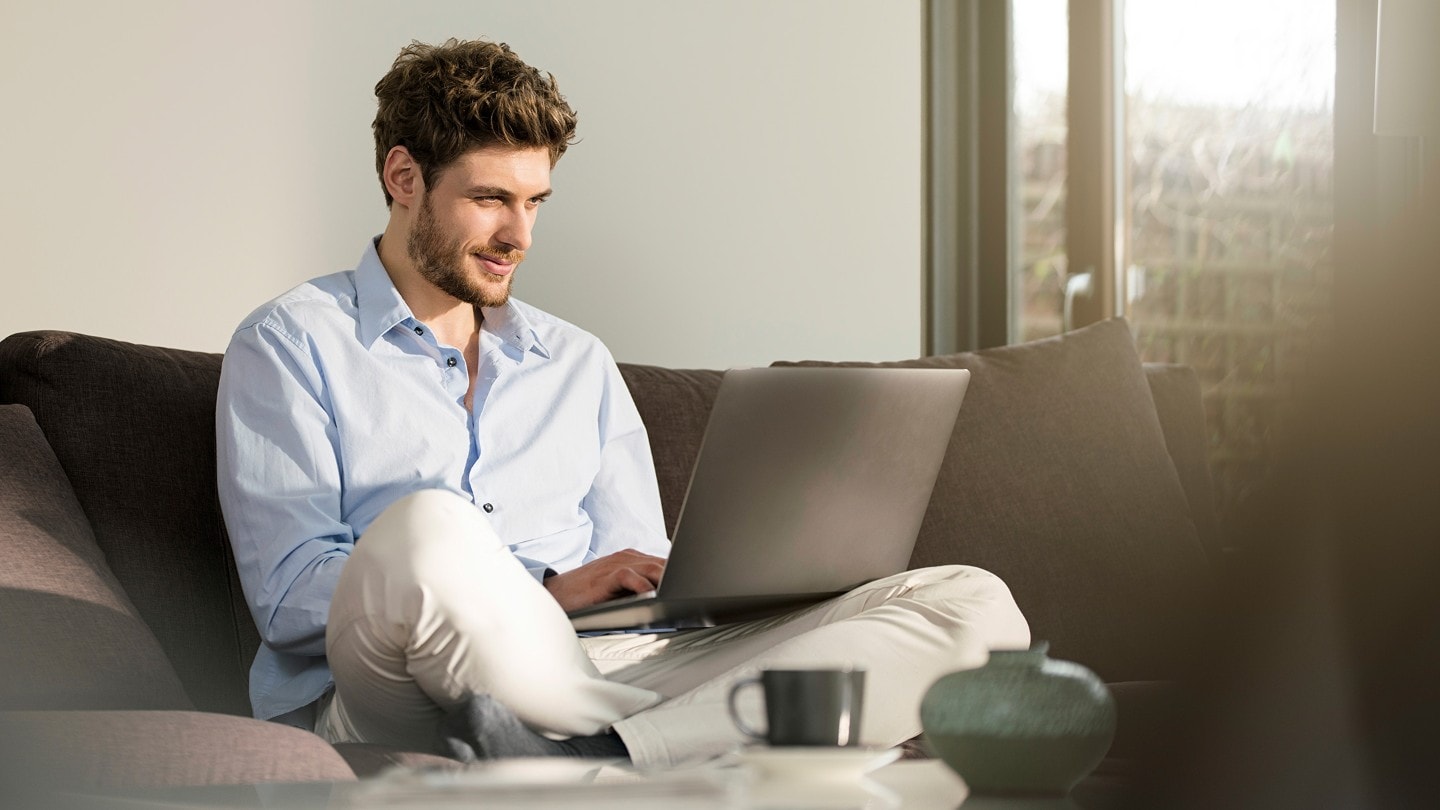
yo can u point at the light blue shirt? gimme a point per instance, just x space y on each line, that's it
335 402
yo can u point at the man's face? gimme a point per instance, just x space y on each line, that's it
472 228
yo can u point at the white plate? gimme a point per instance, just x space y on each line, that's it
828 763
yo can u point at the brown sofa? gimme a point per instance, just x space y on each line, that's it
1074 473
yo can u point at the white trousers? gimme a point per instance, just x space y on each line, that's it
432 608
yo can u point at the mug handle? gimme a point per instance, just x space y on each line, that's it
735 714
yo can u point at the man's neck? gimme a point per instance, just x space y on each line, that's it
455 322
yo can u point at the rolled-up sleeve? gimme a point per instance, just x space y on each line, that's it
280 486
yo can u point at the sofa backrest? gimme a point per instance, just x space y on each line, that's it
675 404
133 428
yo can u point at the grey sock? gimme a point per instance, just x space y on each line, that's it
482 728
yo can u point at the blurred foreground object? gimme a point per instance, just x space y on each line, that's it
1023 724
1323 688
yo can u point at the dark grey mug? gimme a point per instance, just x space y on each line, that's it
814 707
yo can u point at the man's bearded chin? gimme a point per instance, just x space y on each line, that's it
444 265
452 279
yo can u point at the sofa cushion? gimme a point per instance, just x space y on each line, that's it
69 636
1181 408
1057 479
134 429
126 750
675 406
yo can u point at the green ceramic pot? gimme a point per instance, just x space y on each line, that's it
1022 724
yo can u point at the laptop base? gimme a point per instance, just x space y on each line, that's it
653 614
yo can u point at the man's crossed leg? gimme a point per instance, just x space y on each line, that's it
432 609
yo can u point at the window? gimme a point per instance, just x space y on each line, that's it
1172 163
1041 72
1229 110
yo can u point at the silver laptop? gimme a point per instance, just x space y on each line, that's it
809 482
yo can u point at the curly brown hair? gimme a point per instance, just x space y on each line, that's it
441 101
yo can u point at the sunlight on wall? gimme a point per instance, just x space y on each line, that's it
747 186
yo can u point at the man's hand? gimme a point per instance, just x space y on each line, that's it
619 574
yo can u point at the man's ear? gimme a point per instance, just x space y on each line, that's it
402 176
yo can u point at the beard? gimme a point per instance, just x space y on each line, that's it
443 261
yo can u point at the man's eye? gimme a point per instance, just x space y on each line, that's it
538 200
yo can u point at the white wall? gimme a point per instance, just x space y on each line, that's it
747 187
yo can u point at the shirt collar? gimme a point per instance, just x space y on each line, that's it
381 309
379 303
513 327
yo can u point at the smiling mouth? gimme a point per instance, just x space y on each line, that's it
495 267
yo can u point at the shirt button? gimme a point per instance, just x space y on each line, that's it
450 361
419 330
489 507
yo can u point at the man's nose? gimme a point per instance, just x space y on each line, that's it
515 228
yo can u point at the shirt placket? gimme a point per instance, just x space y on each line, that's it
485 381
454 379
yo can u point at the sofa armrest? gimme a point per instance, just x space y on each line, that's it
122 750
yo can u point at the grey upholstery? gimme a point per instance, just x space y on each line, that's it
69 636
1178 403
127 749
134 429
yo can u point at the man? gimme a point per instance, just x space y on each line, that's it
491 460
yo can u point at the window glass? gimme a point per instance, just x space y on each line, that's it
1229 118
1041 45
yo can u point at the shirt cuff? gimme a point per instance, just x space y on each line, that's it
539 570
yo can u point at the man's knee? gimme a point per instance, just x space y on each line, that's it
430 555
968 577
991 603
943 582
426 532
973 596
